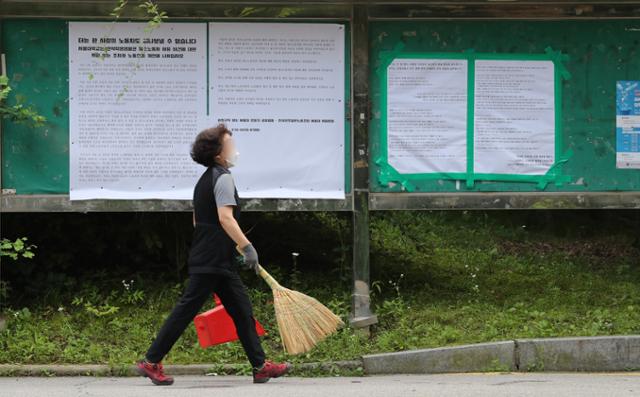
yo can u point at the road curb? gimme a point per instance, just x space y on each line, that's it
129 370
493 356
597 354
605 353
601 353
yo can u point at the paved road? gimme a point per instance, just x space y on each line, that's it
476 385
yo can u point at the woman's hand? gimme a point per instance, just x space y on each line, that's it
250 257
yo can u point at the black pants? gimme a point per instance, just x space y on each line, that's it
233 295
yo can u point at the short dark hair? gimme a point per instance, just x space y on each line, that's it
208 145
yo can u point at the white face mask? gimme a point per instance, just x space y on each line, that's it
232 160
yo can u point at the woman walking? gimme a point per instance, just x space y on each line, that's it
211 261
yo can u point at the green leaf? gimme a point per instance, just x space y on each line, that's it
18 245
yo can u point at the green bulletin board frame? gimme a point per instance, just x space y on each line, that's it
600 52
388 174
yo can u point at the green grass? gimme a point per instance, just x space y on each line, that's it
438 280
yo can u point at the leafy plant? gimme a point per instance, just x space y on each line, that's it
97 310
155 14
17 113
16 249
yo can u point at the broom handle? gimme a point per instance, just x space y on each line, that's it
263 273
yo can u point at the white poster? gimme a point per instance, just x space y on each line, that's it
427 115
514 117
135 109
280 89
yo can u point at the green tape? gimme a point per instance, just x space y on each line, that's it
558 59
388 174
554 175
471 97
386 57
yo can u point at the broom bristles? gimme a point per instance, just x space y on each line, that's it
302 320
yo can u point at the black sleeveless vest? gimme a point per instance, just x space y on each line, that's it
212 250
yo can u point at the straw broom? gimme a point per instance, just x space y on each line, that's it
302 320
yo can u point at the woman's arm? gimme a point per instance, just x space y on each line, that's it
231 227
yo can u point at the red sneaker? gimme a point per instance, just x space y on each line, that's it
154 372
270 370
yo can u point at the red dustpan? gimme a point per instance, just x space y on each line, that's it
215 326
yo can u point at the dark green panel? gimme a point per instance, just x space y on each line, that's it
37 160
600 53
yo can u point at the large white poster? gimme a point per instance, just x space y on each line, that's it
280 89
427 115
514 123
135 109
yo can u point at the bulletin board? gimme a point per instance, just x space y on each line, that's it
36 161
596 54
